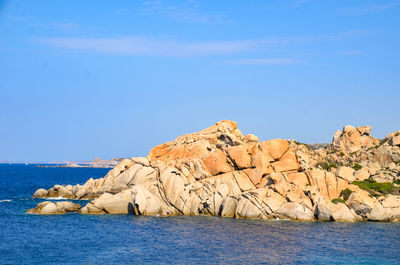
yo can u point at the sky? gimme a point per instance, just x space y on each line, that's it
86 79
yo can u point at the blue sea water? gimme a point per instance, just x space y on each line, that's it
125 239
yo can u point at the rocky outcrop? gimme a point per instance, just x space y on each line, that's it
353 138
48 207
218 171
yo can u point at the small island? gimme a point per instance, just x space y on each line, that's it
219 171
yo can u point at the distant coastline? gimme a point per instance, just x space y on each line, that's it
96 163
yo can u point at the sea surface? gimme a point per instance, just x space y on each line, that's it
127 239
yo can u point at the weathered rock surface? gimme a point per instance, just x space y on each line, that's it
48 207
218 171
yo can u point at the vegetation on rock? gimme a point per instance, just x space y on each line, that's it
338 200
345 194
377 189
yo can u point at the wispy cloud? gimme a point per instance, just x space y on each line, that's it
153 47
184 11
138 45
59 26
364 10
274 61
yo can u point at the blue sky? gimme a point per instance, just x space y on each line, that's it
85 79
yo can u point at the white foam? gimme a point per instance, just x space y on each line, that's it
5 200
57 198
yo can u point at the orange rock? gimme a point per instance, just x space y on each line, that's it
216 163
159 151
331 185
276 148
222 126
240 156
197 149
341 185
263 182
287 163
299 179
317 177
243 181
254 175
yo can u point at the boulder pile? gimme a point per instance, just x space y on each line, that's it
219 171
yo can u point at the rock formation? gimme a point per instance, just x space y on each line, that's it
218 171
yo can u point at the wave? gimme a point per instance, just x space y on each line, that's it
56 198
5 200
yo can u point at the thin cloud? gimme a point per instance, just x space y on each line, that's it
59 26
144 46
273 61
364 10
186 12
152 47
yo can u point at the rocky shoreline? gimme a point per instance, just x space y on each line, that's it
219 171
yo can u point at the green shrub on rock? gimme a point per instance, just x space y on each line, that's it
346 194
326 165
338 200
377 189
357 166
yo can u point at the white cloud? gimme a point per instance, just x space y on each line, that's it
275 61
145 46
152 47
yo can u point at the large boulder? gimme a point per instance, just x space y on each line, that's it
49 208
322 212
379 213
352 139
361 202
40 193
295 211
346 173
341 213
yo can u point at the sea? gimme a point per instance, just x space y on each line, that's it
128 239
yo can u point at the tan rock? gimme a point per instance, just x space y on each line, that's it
341 213
391 201
274 200
144 202
49 208
379 213
331 185
296 211
288 162
322 212
40 193
243 181
216 163
173 183
346 173
362 174
276 148
394 141
366 130
229 207
251 138
141 160
299 179
240 156
361 202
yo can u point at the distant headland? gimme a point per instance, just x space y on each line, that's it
219 171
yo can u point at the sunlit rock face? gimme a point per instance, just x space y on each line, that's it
219 171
